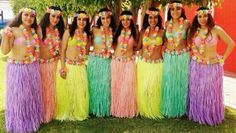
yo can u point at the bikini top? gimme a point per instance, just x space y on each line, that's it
98 40
130 41
174 34
20 40
211 40
152 41
75 42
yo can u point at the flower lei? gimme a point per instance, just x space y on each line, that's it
148 44
29 10
154 13
171 40
202 12
105 13
52 41
107 42
203 42
82 42
126 17
52 11
32 49
175 5
125 36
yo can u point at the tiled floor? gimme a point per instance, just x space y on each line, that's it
230 91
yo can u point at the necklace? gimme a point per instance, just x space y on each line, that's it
149 43
174 41
124 40
52 41
81 42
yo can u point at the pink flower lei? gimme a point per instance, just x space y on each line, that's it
52 40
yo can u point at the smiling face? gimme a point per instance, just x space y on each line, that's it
82 20
106 20
54 19
126 21
27 18
152 20
176 12
202 17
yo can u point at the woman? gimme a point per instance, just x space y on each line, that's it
99 71
23 96
205 98
123 77
149 66
52 25
72 92
176 62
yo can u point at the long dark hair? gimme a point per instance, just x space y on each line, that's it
195 24
45 22
145 20
112 24
169 17
74 25
17 21
120 27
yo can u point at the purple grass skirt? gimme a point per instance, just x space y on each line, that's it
23 98
205 97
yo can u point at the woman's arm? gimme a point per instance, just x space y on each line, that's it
227 40
7 40
63 53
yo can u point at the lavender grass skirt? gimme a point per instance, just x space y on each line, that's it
205 99
23 98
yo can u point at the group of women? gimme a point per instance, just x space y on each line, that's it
157 72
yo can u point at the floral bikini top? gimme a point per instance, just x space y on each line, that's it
80 42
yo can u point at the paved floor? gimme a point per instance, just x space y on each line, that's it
230 91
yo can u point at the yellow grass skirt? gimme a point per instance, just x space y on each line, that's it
72 94
149 82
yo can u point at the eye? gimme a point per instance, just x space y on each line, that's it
84 19
26 14
103 18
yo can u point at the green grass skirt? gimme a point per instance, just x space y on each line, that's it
175 84
99 76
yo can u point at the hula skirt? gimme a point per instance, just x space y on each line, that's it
149 83
24 110
72 94
99 76
205 98
48 78
175 84
123 92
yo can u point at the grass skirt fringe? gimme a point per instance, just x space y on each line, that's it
149 80
48 78
72 94
175 84
205 99
24 110
99 76
123 93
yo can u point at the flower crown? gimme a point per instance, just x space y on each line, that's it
202 12
126 17
52 11
175 5
81 15
152 12
29 10
105 13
